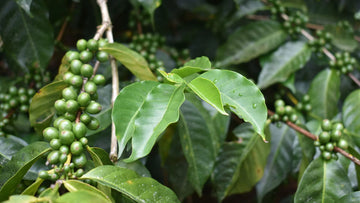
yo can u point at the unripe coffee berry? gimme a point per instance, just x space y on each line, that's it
75 66
99 79
67 137
69 93
53 157
93 108
84 99
81 45
50 133
76 148
92 45
86 70
79 130
86 56
90 87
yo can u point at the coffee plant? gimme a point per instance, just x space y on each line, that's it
179 101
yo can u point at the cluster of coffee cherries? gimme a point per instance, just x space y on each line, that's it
295 23
304 105
139 17
323 40
75 112
180 57
277 8
329 138
284 112
147 45
343 62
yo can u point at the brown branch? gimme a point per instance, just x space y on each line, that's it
115 78
314 137
354 79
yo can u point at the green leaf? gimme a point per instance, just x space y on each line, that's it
8 147
136 166
208 92
246 8
75 185
283 62
32 189
99 156
149 5
325 93
279 162
42 108
22 199
323 181
81 196
197 145
25 4
356 154
172 77
133 61
351 112
196 65
353 197
240 165
13 171
126 181
142 111
26 40
242 95
342 38
250 41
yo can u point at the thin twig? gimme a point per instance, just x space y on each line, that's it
354 79
314 137
115 78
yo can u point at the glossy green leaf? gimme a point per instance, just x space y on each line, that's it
324 94
196 65
172 77
341 38
196 144
279 162
351 112
240 165
8 147
133 61
136 166
250 41
142 111
22 199
246 8
42 108
13 171
353 197
26 40
126 181
283 62
32 189
208 92
81 196
356 154
75 185
25 5
242 96
99 156
323 181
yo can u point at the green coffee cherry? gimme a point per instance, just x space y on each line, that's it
62 158
84 99
90 87
86 70
66 137
102 56
65 125
86 56
84 141
81 45
342 144
85 118
326 125
79 160
76 81
326 155
79 130
69 93
92 45
64 149
44 175
324 137
50 133
57 121
99 79
72 106
94 124
93 108
53 157
76 148
75 66
60 106
55 144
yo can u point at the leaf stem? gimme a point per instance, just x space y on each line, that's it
106 25
314 137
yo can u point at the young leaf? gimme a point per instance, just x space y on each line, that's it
324 93
13 171
197 145
8 147
242 95
75 185
283 62
172 77
194 66
279 162
99 156
42 108
82 196
323 181
133 61
126 181
34 44
142 111
351 112
250 41
32 189
240 165
208 92
21 199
